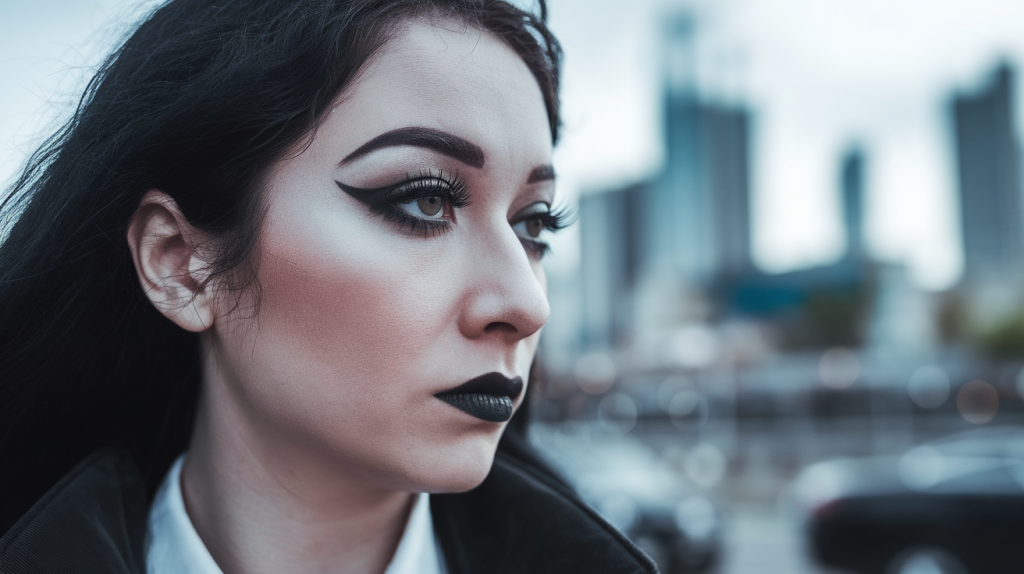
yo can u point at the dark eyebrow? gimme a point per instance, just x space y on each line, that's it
541 173
437 140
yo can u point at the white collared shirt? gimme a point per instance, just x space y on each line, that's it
174 547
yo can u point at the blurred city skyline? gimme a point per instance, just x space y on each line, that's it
817 78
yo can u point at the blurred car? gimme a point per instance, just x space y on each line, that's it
648 502
951 506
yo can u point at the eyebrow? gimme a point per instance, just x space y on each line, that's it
541 173
442 142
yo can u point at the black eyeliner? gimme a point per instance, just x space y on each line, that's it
385 200
413 187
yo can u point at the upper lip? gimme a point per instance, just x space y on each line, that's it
495 384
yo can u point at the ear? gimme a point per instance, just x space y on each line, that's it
164 249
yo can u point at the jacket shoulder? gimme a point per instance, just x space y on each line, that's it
93 520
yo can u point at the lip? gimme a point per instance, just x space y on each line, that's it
488 397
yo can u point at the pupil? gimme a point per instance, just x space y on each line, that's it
430 205
534 227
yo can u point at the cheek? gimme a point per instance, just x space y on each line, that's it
348 320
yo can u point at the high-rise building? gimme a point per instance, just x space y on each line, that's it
610 230
988 162
699 208
647 247
725 139
676 237
851 184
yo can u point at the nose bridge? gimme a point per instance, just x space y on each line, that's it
504 293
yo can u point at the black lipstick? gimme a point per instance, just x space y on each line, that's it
487 397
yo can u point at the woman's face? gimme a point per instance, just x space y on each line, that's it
400 258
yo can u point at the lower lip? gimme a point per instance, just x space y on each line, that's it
488 408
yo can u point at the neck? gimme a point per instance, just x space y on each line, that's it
263 503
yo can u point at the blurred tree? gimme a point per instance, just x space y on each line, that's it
835 317
1005 341
832 316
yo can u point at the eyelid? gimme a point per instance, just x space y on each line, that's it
532 210
386 200
424 184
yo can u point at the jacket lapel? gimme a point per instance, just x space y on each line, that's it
93 520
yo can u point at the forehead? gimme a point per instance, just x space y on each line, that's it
459 79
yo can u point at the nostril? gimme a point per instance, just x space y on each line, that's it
500 327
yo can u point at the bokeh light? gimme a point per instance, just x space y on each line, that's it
977 402
928 387
839 368
617 413
688 410
696 517
595 373
670 387
692 346
705 465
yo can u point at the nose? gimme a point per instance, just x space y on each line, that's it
505 297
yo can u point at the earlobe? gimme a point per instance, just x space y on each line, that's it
172 273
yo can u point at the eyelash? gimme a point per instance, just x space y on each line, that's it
454 191
450 188
385 200
553 221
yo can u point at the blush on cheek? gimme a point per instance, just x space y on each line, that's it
349 307
345 340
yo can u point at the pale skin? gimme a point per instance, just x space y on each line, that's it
317 418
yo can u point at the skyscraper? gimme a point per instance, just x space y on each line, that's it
647 248
851 183
699 208
988 162
725 143
609 235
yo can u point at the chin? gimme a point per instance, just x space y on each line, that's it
455 467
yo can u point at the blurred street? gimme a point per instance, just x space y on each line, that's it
762 540
762 525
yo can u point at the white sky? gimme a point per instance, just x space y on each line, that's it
818 74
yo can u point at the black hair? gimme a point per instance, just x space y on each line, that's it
198 102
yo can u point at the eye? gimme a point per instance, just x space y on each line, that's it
530 228
534 222
423 204
432 207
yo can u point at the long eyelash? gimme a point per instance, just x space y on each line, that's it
384 200
553 221
560 218
424 184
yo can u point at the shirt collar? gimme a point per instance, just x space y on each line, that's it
173 546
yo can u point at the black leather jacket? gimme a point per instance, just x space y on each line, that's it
522 519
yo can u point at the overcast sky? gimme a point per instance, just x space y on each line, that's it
817 74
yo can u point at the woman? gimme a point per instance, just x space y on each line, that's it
280 273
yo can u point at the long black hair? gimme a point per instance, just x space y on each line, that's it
198 103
